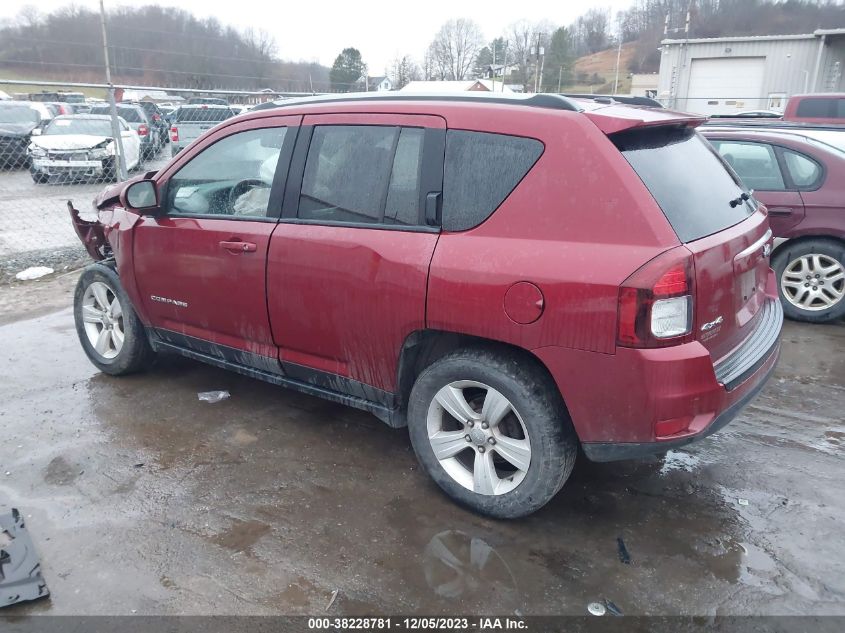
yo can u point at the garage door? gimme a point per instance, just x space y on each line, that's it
726 85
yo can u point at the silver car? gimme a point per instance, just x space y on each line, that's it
192 120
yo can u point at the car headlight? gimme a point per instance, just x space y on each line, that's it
99 153
36 151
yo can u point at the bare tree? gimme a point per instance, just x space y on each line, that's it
455 48
429 68
522 39
403 70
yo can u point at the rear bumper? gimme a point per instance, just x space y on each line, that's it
641 401
610 451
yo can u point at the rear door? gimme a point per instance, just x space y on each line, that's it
348 265
728 236
762 168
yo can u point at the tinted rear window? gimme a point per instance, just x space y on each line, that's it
199 115
818 108
480 172
687 178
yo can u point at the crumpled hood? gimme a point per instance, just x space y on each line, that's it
17 129
69 141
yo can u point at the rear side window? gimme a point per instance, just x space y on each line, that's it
804 171
687 179
755 163
200 115
362 174
821 108
481 170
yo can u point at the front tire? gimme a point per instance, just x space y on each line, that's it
811 279
112 336
492 431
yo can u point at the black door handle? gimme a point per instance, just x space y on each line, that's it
432 208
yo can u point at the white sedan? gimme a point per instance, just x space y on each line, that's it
81 146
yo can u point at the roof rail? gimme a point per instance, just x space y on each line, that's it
541 100
626 99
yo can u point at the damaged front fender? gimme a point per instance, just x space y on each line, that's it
90 233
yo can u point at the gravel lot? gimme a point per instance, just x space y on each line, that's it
143 500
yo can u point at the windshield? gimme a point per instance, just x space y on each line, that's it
696 191
18 114
96 127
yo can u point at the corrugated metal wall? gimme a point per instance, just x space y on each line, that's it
790 62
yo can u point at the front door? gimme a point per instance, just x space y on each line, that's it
200 263
348 265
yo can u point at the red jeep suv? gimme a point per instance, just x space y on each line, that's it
510 278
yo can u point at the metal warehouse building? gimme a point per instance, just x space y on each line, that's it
731 74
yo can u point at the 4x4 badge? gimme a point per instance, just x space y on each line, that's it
711 324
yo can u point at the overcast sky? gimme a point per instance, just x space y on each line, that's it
381 30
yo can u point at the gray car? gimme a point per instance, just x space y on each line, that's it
192 120
138 120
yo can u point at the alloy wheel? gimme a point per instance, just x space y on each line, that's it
102 316
478 437
813 282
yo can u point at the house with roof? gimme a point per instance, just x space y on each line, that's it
374 84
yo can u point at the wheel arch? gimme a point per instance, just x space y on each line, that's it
792 242
424 347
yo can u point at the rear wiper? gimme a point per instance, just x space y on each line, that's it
738 201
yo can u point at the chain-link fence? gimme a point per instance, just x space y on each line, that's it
57 146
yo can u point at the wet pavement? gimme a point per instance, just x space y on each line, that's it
142 499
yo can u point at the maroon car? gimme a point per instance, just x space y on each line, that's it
510 278
801 180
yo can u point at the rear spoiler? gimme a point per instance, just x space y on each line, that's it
613 119
647 102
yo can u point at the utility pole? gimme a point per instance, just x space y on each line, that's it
504 65
618 57
542 65
117 133
559 77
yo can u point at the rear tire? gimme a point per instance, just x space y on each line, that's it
819 298
112 336
521 447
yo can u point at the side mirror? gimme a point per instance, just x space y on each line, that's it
36 131
141 195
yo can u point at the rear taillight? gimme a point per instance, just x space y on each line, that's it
656 302
143 130
174 133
